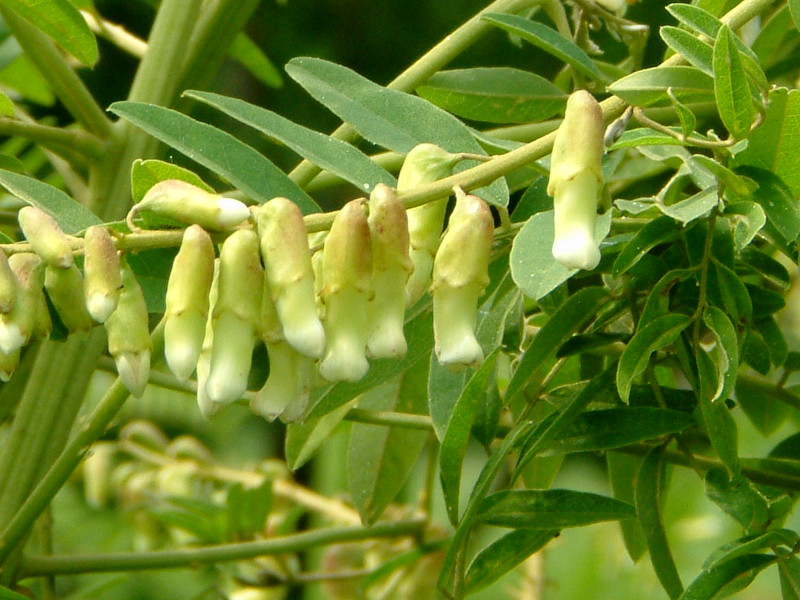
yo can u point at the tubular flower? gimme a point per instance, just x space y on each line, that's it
576 178
346 292
423 164
235 317
287 259
391 266
18 326
208 408
65 289
8 285
189 204
187 302
460 274
102 276
45 236
129 340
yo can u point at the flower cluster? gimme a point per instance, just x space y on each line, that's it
321 315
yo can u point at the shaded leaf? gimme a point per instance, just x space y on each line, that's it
657 304
247 53
749 544
739 498
719 423
789 569
747 219
622 471
656 232
764 410
726 578
777 200
726 352
305 438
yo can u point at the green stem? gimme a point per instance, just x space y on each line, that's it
63 80
191 557
55 137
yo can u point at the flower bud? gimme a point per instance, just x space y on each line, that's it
8 285
18 326
346 292
65 289
101 270
189 204
460 274
391 267
8 364
576 178
45 237
287 390
97 468
129 340
287 259
208 408
187 302
425 163
236 317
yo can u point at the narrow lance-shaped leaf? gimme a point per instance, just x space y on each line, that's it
728 577
720 425
730 85
649 86
697 52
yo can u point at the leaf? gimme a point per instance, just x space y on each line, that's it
726 290
247 53
727 577
657 304
693 207
550 509
549 40
576 312
725 353
766 412
338 157
685 115
742 186
657 334
644 136
494 95
719 423
649 487
649 86
696 52
777 200
730 86
764 540
7 594
305 438
747 219
794 9
789 569
622 470
533 267
656 232
70 215
456 435
774 145
235 161
248 509
599 430
380 458
389 118
146 173
62 22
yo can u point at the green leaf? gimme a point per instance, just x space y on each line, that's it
685 115
719 423
494 95
657 334
62 22
747 219
649 487
386 117
502 555
726 290
146 173
649 86
774 145
644 136
248 509
766 266
789 569
7 594
336 156
70 215
456 435
696 52
622 471
693 207
730 86
656 232
725 353
735 182
764 540
380 458
248 54
549 40
305 438
777 200
533 267
794 9
657 304
231 159
599 430
6 105
728 577
766 412
576 312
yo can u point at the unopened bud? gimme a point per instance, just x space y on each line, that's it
101 270
45 236
189 204
425 163
8 364
287 390
18 325
460 274
208 408
576 177
8 285
187 302
236 317
97 469
287 259
65 289
346 291
128 332
391 267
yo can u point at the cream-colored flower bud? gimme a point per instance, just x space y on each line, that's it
391 267
187 302
346 291
8 285
460 274
8 364
97 469
45 236
208 408
101 270
287 260
18 326
128 333
236 316
65 289
287 390
189 204
425 163
576 177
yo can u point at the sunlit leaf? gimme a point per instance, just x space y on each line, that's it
146 173
649 86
